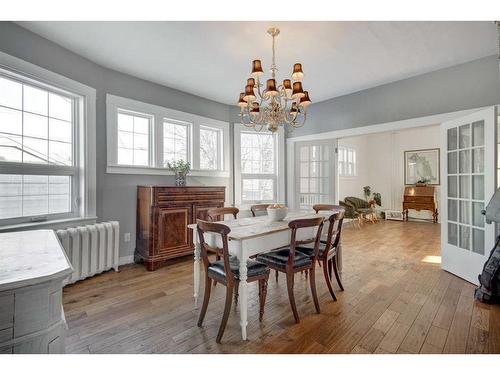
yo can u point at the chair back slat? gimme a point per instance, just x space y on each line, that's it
258 208
217 214
334 227
295 225
221 230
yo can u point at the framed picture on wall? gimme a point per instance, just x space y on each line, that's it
423 166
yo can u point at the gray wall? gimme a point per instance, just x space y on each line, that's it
470 85
116 194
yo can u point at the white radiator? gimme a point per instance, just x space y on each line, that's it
91 249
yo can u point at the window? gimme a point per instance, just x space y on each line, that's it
210 145
133 138
143 138
259 159
36 126
46 171
347 161
175 141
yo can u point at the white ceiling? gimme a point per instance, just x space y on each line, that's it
213 59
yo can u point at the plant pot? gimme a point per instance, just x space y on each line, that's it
180 179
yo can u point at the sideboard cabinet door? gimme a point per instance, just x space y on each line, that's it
174 238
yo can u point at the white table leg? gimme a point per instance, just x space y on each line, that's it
197 252
243 292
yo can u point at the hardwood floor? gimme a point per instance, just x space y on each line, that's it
394 302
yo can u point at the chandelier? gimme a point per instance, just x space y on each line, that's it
276 105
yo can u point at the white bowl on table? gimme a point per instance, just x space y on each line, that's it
277 214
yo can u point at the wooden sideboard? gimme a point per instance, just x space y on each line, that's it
420 198
163 214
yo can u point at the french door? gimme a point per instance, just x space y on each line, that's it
315 170
468 164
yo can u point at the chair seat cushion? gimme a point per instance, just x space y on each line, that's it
308 250
279 258
254 268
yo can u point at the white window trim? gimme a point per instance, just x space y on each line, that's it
85 144
114 102
280 167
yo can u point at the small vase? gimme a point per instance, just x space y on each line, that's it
180 179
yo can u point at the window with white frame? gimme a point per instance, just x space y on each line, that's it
347 161
163 135
259 160
43 164
210 147
175 141
133 137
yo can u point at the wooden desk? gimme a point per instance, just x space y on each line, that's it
420 198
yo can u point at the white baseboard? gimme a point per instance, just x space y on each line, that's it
126 260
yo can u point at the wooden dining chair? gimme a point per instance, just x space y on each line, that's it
290 261
329 248
258 208
227 272
217 214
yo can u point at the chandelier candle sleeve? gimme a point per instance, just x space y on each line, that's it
264 104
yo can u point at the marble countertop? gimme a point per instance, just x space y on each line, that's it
31 257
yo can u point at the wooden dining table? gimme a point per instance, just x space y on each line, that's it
249 237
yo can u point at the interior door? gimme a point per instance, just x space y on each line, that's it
315 171
468 164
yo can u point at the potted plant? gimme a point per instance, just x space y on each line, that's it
367 190
377 197
181 168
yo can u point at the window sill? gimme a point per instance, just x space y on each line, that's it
50 224
123 169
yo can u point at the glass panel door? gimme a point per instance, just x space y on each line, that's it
469 184
314 173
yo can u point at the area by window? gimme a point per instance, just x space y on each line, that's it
259 158
347 161
143 138
43 164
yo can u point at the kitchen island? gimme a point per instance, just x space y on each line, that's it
33 265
